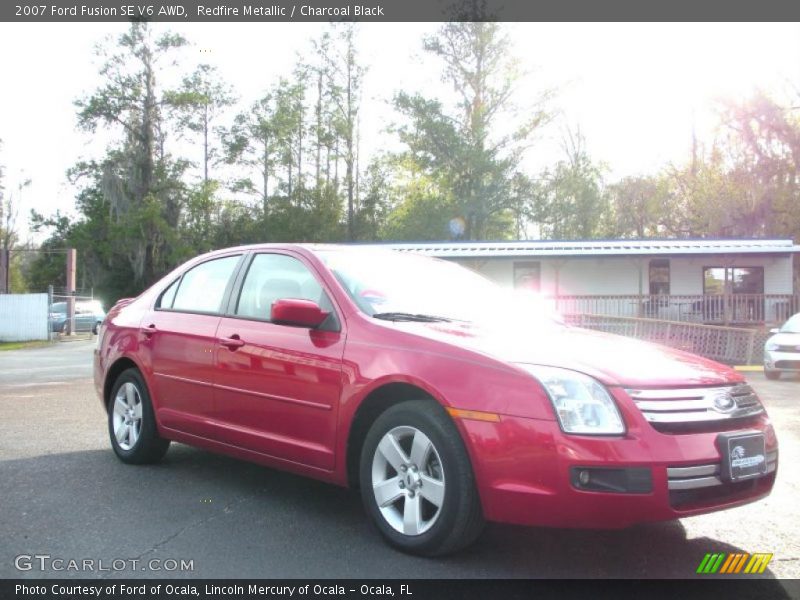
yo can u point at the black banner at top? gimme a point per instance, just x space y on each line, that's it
396 10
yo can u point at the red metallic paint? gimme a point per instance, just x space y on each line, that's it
287 397
279 393
293 311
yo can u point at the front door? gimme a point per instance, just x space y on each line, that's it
278 386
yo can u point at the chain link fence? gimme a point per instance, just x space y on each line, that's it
88 311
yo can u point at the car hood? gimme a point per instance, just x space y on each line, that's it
613 359
785 339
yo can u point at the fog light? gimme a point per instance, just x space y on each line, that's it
630 480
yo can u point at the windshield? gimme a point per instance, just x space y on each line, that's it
792 325
387 284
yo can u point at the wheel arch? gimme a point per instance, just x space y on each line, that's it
371 407
119 366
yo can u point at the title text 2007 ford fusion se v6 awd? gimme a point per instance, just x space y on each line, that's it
445 399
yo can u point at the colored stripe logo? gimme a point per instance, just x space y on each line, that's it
738 562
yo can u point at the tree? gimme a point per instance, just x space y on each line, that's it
251 143
198 103
345 76
287 124
8 216
574 205
744 185
322 131
9 235
138 181
639 207
524 197
5 210
760 154
373 206
2 188
48 266
473 152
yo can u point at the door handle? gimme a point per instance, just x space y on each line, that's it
149 330
232 343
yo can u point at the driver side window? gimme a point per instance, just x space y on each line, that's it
272 277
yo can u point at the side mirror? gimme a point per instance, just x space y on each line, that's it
775 330
300 313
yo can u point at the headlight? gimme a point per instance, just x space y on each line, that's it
771 346
582 404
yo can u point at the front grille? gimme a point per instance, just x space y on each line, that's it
701 484
710 496
793 349
787 364
687 409
702 476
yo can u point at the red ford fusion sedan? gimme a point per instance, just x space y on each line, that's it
446 400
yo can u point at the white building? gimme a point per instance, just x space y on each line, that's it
711 281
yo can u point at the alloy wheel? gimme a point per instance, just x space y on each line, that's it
408 480
127 421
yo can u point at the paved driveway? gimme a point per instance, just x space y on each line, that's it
49 365
65 494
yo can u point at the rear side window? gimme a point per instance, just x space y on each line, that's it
274 277
202 288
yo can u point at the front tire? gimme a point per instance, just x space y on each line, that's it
772 375
131 422
417 483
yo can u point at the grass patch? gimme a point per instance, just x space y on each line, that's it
23 345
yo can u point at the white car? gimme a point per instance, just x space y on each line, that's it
782 350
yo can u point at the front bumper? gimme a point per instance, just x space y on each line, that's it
525 471
785 362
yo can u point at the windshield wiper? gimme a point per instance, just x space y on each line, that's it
404 316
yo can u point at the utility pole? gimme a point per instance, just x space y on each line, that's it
71 261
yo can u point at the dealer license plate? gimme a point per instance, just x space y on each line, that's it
743 455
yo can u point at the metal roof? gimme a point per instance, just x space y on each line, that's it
594 248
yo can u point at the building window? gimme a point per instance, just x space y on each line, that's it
527 276
733 280
733 294
659 277
749 280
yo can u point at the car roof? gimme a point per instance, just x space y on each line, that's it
307 247
96 303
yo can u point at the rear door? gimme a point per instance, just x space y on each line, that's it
278 386
180 336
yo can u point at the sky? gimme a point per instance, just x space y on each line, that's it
635 90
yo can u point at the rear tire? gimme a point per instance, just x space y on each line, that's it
772 375
131 422
417 483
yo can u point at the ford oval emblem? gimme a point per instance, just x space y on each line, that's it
724 402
